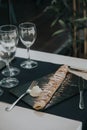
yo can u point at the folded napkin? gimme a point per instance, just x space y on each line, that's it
50 88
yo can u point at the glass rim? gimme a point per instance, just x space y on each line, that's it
26 23
10 29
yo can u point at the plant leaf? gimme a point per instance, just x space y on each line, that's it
81 19
62 23
54 22
58 32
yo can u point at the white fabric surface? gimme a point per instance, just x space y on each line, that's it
25 119
77 63
54 58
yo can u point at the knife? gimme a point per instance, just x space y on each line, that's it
78 69
81 89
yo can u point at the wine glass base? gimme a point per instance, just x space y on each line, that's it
1 92
13 71
29 64
9 82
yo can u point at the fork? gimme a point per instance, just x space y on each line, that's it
27 92
81 88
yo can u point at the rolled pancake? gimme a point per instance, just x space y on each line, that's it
50 88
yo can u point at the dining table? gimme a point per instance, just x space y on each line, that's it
64 115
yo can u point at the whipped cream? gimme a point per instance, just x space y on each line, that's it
35 91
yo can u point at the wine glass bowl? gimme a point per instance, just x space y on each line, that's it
8 40
28 34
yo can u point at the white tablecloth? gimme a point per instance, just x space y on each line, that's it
26 119
22 118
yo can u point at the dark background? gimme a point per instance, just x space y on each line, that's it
17 11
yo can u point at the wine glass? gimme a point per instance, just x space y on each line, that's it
8 33
28 33
8 40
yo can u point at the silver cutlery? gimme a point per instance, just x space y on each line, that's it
78 69
27 92
81 89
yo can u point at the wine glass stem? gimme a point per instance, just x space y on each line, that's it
8 67
28 53
8 64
